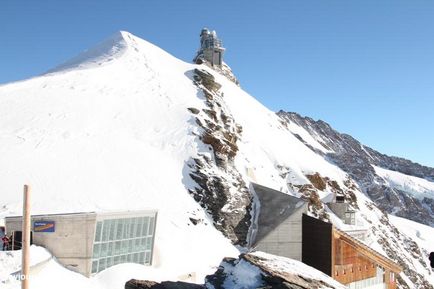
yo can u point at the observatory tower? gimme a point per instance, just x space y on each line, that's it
211 48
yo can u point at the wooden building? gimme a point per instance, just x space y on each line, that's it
344 258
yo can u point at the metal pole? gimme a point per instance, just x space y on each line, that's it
25 245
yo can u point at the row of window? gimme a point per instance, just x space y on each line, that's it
118 229
377 280
127 240
121 247
104 263
212 42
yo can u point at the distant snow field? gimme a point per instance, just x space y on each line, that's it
418 187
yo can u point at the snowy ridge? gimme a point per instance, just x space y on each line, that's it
101 54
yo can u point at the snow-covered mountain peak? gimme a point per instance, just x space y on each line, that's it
109 50
104 52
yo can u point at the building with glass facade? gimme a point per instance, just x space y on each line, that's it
91 242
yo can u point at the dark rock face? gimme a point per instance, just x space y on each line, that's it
139 284
357 160
220 189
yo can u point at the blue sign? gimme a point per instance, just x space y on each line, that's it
44 226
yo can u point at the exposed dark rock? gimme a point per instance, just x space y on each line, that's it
139 284
317 181
193 110
220 189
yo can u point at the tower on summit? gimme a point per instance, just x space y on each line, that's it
211 48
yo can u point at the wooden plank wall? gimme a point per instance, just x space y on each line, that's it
350 265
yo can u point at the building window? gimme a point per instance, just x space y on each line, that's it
350 218
123 240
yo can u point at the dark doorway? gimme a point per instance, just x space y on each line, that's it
17 239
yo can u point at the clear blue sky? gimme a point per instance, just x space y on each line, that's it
366 67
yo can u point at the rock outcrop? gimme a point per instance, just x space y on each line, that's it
220 189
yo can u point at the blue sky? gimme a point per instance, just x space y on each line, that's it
366 67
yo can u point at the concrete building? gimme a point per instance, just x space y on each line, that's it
211 48
278 222
343 210
91 242
282 227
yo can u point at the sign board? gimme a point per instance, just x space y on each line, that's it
44 226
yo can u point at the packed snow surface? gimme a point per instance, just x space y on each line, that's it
282 264
46 272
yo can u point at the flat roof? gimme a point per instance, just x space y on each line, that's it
101 213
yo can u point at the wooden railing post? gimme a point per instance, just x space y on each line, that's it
25 245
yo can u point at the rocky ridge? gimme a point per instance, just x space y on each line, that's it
220 189
358 161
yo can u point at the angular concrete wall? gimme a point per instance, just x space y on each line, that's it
286 239
278 222
72 241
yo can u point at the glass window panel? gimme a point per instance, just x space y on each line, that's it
96 249
148 243
131 229
123 258
140 228
137 245
130 258
124 247
105 231
98 231
145 226
142 244
110 262
112 230
117 260
110 251
119 229
136 227
104 248
130 246
102 264
95 266
136 257
117 248
142 258
126 229
147 257
151 226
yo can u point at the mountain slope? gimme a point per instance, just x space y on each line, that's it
127 126
396 185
